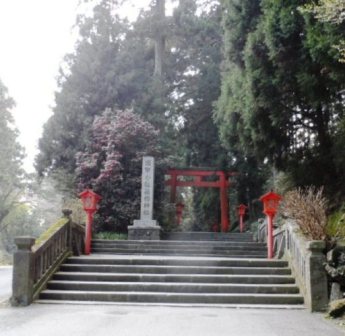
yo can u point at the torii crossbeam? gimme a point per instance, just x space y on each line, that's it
198 180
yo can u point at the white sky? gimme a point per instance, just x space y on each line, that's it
34 37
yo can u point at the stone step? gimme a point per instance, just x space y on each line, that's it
205 236
188 268
192 252
208 298
178 305
208 248
168 243
175 261
190 278
172 269
172 287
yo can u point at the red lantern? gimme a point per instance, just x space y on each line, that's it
271 202
90 200
241 209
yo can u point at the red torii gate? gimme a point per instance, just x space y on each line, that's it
198 180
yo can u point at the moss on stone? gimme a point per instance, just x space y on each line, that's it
335 225
337 308
49 232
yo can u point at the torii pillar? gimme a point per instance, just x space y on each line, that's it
224 202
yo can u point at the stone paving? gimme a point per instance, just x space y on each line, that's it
5 282
91 320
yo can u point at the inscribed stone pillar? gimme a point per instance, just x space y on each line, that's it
146 228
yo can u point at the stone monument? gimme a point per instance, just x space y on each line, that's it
146 228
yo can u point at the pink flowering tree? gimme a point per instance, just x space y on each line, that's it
111 165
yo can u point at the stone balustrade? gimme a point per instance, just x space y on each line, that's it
306 259
35 262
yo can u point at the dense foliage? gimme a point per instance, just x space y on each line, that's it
27 206
254 86
282 97
11 154
111 165
115 66
331 11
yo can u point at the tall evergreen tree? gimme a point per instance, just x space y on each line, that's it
240 19
11 153
110 68
290 98
114 66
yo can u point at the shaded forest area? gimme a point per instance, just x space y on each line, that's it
253 86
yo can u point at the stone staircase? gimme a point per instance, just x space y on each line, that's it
185 268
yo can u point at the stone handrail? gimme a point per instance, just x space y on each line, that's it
307 259
279 242
34 265
262 232
278 238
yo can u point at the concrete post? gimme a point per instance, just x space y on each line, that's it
23 272
316 278
67 214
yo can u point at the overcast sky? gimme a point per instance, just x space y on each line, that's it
34 37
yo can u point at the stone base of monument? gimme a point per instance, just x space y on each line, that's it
142 230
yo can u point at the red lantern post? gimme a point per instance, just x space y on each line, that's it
179 211
90 200
241 210
271 202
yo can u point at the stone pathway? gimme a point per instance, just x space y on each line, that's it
92 320
5 282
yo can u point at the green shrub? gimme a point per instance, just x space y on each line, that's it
336 224
111 236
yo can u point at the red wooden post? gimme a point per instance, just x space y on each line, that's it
179 211
88 232
173 188
224 203
269 236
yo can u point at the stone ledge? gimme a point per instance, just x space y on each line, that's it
143 223
144 232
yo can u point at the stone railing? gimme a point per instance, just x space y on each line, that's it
278 238
306 259
279 242
262 232
35 263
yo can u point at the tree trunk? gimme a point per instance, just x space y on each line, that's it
159 38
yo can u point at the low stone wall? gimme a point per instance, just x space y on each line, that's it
35 262
307 259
